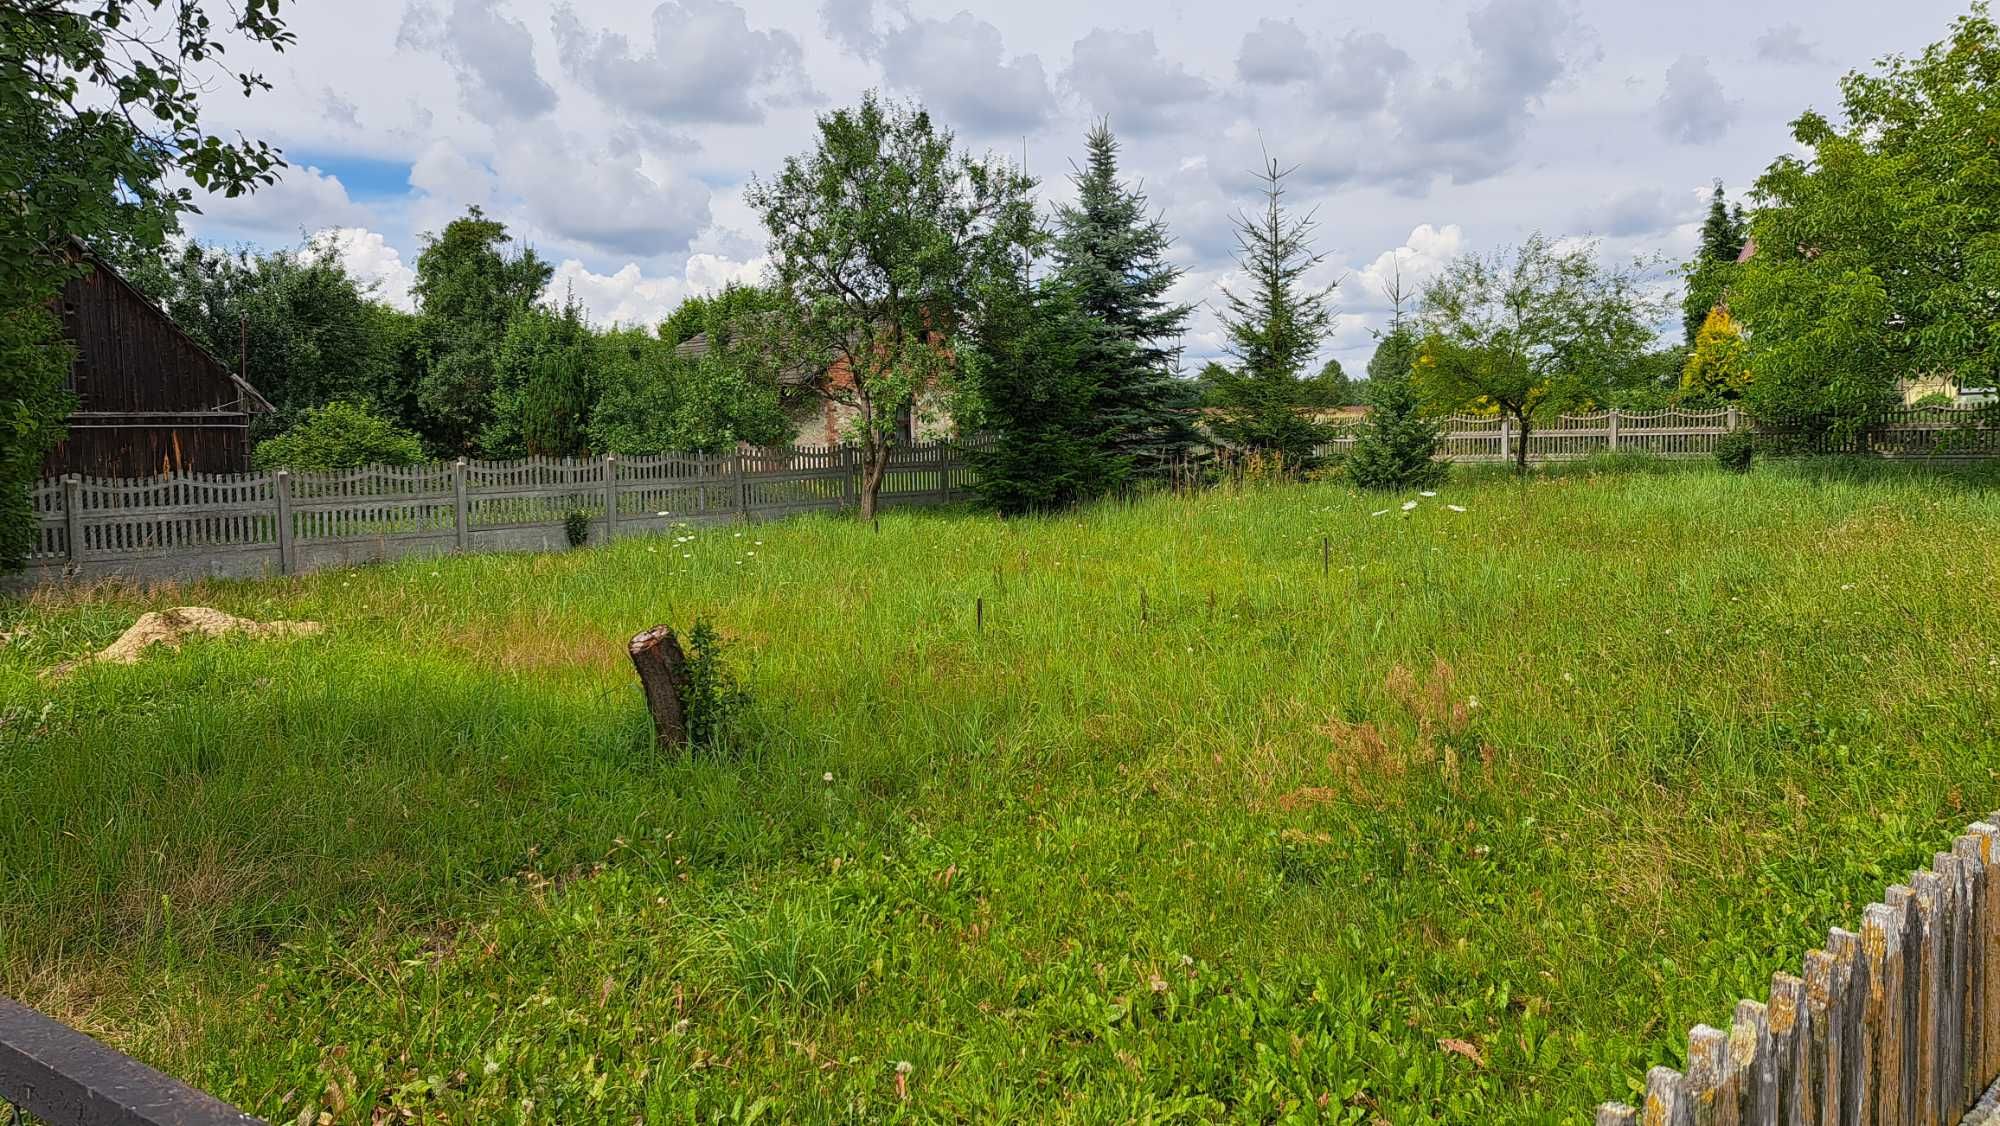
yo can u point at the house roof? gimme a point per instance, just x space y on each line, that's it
1749 250
697 346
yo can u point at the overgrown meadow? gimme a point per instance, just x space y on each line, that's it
1464 816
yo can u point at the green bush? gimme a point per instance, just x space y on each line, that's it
339 435
576 526
1735 450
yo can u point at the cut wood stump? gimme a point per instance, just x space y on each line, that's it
662 668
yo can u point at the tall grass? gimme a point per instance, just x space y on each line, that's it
1557 776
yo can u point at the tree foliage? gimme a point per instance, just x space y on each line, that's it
339 435
469 288
1531 331
650 401
543 375
1275 326
1709 273
1396 445
1041 399
1878 248
882 238
1717 370
1111 255
308 332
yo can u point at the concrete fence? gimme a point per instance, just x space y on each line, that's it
281 523
1898 1023
1937 432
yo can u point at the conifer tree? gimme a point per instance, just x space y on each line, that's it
1396 447
1111 257
1274 328
1723 235
1040 402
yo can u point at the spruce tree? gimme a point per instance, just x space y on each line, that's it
1723 235
1111 257
1040 403
1396 446
1274 330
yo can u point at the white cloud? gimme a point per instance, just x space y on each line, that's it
492 52
628 296
1421 256
1124 75
369 258
1693 109
705 65
304 199
959 66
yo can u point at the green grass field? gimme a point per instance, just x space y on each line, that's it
1555 777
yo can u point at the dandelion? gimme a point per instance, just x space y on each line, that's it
1456 507
1408 505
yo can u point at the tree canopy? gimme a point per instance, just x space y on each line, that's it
1878 247
1530 331
882 240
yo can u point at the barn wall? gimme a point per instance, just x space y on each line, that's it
151 400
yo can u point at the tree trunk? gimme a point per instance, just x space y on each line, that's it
1521 448
874 466
662 668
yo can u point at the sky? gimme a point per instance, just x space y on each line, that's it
617 139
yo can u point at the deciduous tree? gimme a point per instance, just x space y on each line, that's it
1530 331
1878 246
881 240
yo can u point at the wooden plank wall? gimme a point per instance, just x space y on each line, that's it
1896 1024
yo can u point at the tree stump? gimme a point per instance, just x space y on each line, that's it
662 668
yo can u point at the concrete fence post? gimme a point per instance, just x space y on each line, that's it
73 517
288 548
610 497
742 486
1506 439
462 508
1611 428
1735 418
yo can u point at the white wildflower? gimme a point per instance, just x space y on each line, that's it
1472 702
1456 507
827 777
904 1067
1427 493
1408 505
1380 512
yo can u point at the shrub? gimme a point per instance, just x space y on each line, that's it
712 696
339 435
1735 450
576 526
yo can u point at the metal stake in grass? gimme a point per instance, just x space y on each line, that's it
979 615
1325 555
1142 605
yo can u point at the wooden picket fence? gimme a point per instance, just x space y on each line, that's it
279 523
1896 1024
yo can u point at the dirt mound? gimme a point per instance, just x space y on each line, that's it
169 627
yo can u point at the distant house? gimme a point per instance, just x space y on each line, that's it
150 399
820 421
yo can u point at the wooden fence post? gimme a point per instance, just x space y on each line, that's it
1611 428
73 517
462 512
610 497
288 548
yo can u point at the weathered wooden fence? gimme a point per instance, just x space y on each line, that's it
280 523
1944 432
1896 1024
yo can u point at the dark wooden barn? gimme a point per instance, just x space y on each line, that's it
150 399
